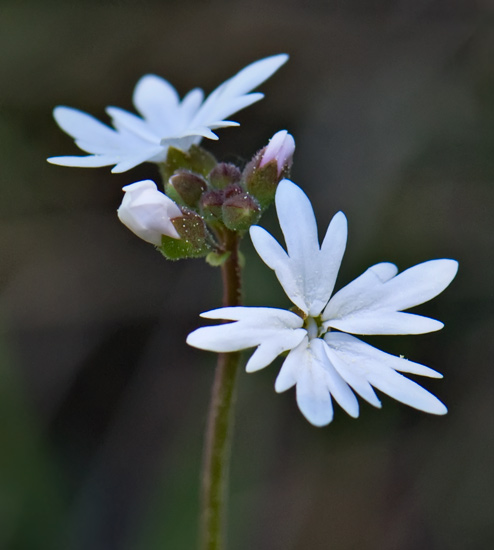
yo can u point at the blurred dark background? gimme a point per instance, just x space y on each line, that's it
103 405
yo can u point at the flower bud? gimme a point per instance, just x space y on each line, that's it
240 212
147 212
232 190
193 241
186 187
224 174
268 167
210 205
280 149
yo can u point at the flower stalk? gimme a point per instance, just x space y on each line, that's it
219 427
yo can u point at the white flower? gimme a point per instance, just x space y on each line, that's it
324 363
147 212
280 149
166 121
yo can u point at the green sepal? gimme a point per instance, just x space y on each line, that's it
196 159
262 182
193 242
215 259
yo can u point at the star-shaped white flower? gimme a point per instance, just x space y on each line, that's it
166 121
325 361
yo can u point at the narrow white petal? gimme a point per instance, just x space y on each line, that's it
158 102
358 363
273 330
223 124
418 284
360 293
371 304
124 120
190 105
297 221
80 125
253 75
363 357
385 322
313 398
229 97
352 375
125 163
202 131
404 390
297 270
270 314
279 342
329 259
226 106
336 385
92 161
290 369
289 273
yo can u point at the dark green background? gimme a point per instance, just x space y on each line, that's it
102 404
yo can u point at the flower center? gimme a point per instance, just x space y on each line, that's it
314 327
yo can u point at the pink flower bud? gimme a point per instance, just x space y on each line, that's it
147 212
280 149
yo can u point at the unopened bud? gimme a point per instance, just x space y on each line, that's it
268 167
240 211
224 174
232 190
186 187
210 205
147 212
280 149
193 241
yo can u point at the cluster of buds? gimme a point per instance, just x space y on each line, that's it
204 198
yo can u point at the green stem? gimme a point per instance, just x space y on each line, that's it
220 419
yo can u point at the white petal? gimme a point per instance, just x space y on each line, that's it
158 102
253 75
337 387
385 322
229 97
80 125
190 105
92 161
290 369
360 293
371 303
225 106
404 390
313 398
125 163
351 374
273 330
418 284
329 259
363 357
307 275
223 124
289 273
358 363
124 120
202 131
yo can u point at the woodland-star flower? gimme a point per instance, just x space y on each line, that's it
147 212
325 361
166 120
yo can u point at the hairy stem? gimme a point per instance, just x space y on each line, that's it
219 427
